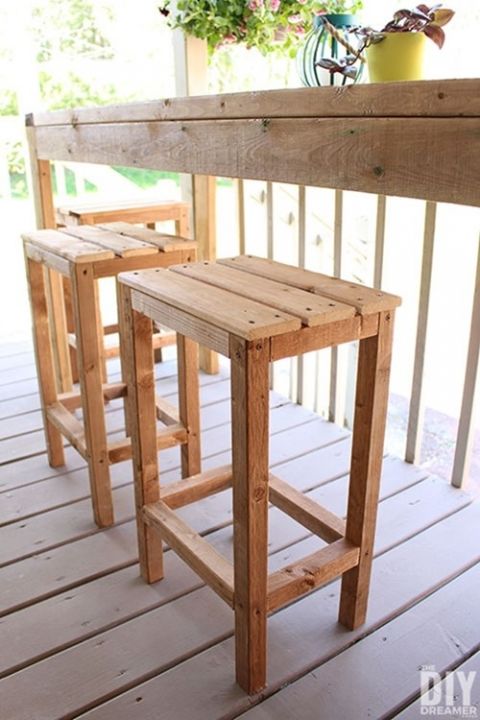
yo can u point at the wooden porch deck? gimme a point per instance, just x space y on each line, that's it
82 636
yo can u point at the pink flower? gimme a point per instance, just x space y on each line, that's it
295 18
255 4
275 4
299 31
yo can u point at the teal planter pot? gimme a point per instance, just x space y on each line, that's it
320 44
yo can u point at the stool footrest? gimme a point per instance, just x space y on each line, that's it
212 567
68 425
308 573
197 487
305 510
166 411
111 391
171 436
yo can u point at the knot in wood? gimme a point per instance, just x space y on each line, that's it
259 493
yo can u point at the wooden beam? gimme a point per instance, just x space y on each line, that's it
199 555
310 572
435 98
44 358
171 436
197 487
250 411
305 511
69 426
42 193
138 356
89 339
371 402
315 338
430 158
189 404
110 391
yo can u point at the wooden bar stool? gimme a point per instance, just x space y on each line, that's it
146 212
96 253
293 311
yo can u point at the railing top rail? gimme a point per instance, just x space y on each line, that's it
431 98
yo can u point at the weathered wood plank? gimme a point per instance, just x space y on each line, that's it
393 655
28 634
437 98
429 158
27 536
138 649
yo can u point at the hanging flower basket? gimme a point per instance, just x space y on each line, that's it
268 25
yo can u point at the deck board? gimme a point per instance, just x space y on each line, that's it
76 616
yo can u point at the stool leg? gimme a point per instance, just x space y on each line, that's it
67 291
124 326
182 225
58 328
138 357
44 358
89 339
189 405
250 410
101 345
367 450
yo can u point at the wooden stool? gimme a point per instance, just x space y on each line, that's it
293 312
130 211
118 212
99 253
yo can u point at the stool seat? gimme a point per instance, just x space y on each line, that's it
255 311
255 298
83 254
86 243
134 210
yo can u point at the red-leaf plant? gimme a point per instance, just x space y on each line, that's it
429 20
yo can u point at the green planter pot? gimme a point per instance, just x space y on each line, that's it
320 44
399 56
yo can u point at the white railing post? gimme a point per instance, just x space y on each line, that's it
416 412
466 425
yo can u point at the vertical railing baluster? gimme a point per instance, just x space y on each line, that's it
270 252
379 240
333 410
241 216
270 241
416 411
302 220
465 434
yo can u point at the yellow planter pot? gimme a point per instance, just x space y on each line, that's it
400 56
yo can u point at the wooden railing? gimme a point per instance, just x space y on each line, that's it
418 140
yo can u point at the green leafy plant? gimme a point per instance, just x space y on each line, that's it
424 19
269 25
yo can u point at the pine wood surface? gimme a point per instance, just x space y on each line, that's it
123 649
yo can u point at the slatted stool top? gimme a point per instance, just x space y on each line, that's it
127 209
92 243
255 298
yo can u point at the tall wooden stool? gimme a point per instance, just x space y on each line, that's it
294 312
146 212
83 261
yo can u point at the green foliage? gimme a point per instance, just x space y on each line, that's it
70 90
8 102
269 25
146 178
70 27
17 170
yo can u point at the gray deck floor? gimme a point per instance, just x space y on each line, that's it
82 636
